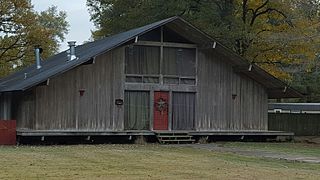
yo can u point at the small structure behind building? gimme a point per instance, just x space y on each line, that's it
301 118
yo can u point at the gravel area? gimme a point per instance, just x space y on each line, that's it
255 153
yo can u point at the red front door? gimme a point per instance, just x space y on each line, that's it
160 110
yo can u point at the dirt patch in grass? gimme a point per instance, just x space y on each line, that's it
141 162
308 139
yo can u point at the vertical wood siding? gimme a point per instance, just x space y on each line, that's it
299 124
5 106
216 109
59 106
25 106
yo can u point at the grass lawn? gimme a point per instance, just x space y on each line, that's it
150 161
288 148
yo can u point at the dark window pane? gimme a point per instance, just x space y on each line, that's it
142 60
187 62
187 81
169 80
134 79
137 109
179 61
151 79
154 35
183 111
171 36
169 61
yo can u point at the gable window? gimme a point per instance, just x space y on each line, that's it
142 64
161 56
179 65
154 35
179 61
171 36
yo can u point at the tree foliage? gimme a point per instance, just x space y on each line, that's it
280 36
21 28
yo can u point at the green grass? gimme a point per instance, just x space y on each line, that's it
150 161
288 148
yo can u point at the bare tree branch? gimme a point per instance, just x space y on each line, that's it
262 30
244 11
269 10
262 6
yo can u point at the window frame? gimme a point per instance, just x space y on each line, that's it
161 76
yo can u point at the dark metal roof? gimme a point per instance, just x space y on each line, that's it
57 64
295 106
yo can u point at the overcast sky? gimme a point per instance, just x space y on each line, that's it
77 16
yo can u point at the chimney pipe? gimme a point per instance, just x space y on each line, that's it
37 52
72 50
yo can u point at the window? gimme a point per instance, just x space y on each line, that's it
142 64
179 61
142 60
137 110
183 111
154 35
179 66
171 36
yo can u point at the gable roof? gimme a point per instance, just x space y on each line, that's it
57 64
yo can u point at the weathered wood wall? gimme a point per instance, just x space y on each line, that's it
5 106
299 124
59 106
216 109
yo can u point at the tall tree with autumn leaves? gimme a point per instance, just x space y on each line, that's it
281 36
21 28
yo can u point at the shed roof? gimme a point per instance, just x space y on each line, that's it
295 106
57 64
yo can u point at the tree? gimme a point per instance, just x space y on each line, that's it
280 36
21 28
272 34
113 16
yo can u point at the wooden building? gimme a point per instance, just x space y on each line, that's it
303 119
165 76
294 108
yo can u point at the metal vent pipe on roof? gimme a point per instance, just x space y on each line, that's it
37 52
72 50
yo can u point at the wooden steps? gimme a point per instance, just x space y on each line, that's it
168 137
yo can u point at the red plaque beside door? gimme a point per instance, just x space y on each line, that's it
160 110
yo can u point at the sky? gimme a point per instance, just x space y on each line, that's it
77 16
